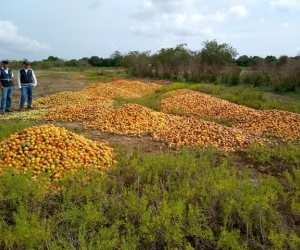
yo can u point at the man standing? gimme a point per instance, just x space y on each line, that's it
6 86
26 82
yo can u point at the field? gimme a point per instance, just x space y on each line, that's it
113 163
51 82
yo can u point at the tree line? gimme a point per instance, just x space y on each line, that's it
214 63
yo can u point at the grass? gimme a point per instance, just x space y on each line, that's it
151 101
190 200
226 122
8 128
275 159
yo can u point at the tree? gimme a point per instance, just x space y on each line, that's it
214 53
245 61
53 58
270 59
116 58
71 63
214 58
95 61
171 62
137 63
283 60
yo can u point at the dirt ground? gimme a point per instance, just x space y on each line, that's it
48 84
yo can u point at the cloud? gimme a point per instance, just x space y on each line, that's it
10 40
180 18
285 5
237 12
262 20
285 25
94 5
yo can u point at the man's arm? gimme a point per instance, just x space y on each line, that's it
1 87
12 81
34 81
19 81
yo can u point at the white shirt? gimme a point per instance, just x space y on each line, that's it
6 71
34 81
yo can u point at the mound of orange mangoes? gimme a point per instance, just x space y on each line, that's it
53 150
280 123
93 106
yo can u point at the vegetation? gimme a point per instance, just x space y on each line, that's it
8 128
214 63
195 199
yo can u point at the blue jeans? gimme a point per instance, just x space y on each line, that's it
6 98
26 91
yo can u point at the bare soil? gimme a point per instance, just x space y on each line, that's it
48 85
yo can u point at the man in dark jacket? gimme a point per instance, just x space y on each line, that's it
26 82
6 86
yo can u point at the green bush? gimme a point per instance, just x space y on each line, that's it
255 78
191 200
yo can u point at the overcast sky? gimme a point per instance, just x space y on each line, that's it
73 29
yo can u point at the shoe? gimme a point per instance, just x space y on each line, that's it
2 112
21 109
8 110
30 107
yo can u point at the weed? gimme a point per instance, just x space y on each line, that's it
9 127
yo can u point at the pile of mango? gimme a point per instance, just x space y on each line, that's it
93 106
257 122
53 150
120 88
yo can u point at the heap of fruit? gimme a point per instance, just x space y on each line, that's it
53 150
190 131
81 112
60 99
128 119
281 123
120 88
93 106
195 103
137 120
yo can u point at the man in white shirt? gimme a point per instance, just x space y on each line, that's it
26 81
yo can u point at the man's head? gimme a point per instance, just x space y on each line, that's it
26 64
5 64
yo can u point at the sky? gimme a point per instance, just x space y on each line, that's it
73 29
